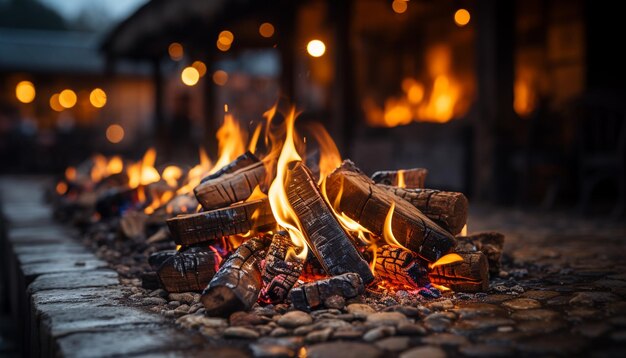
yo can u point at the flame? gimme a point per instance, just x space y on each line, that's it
282 210
99 168
256 195
329 154
158 200
254 139
445 260
195 174
115 165
401 183
231 143
464 230
269 115
143 172
387 230
171 174
524 97
61 188
441 288
179 246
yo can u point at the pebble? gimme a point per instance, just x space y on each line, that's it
335 301
185 297
136 296
360 310
348 334
393 344
272 350
331 323
242 318
344 349
173 304
279 332
194 321
411 329
303 330
438 321
318 336
377 333
522 304
195 307
386 318
592 298
496 298
424 352
540 295
240 332
264 329
477 309
182 310
535 315
445 339
591 330
441 305
539 327
153 301
159 293
481 323
409 311
486 350
295 319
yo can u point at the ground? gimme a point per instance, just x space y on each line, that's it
562 292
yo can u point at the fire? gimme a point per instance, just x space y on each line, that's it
255 138
445 260
464 230
158 200
401 183
256 194
143 172
195 174
70 173
99 168
387 229
282 210
171 174
231 141
329 154
524 98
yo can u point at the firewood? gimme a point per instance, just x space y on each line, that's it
447 209
413 178
469 275
327 239
402 267
368 204
158 258
313 294
241 161
231 187
162 234
279 273
489 243
236 285
133 225
189 270
208 226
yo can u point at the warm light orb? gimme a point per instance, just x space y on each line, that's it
266 30
67 98
226 38
316 48
176 51
462 17
220 77
399 6
98 98
25 91
115 133
200 66
190 76
54 103
222 47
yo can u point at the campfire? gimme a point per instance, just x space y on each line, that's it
283 219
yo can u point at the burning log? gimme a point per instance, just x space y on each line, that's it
313 294
279 274
231 187
402 267
489 243
328 240
211 225
469 275
158 258
189 270
236 285
447 209
408 178
365 202
241 161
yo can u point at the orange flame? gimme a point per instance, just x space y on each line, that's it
387 229
231 142
143 172
401 183
445 260
115 165
70 173
329 154
464 230
256 194
255 138
282 210
171 174
158 200
195 174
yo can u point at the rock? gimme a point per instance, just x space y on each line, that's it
591 330
195 307
592 298
295 319
240 332
378 333
496 298
539 327
209 332
264 329
242 318
186 297
424 352
195 321
445 339
335 301
522 304
304 330
153 301
477 309
279 332
318 336
540 295
411 329
360 310
347 334
170 314
173 304
386 318
159 293
408 311
486 350
182 310
565 345
393 344
481 323
441 305
344 350
438 321
535 315
272 350
331 323
325 313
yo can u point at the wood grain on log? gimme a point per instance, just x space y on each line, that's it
241 161
413 178
231 187
188 270
469 275
312 295
368 204
400 266
236 285
158 258
279 274
330 243
489 243
446 208
209 226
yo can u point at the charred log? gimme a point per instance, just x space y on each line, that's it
469 275
241 161
189 270
489 243
328 240
280 271
313 294
413 178
158 258
368 204
209 226
402 267
236 285
447 209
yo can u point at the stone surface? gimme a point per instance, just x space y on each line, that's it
393 344
295 319
378 333
386 318
96 278
521 304
344 350
424 352
240 332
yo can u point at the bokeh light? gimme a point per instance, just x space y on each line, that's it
399 6
55 104
98 98
25 92
190 76
316 48
67 98
200 67
266 29
220 77
115 133
176 51
462 17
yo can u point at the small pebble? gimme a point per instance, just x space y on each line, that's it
240 332
295 319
